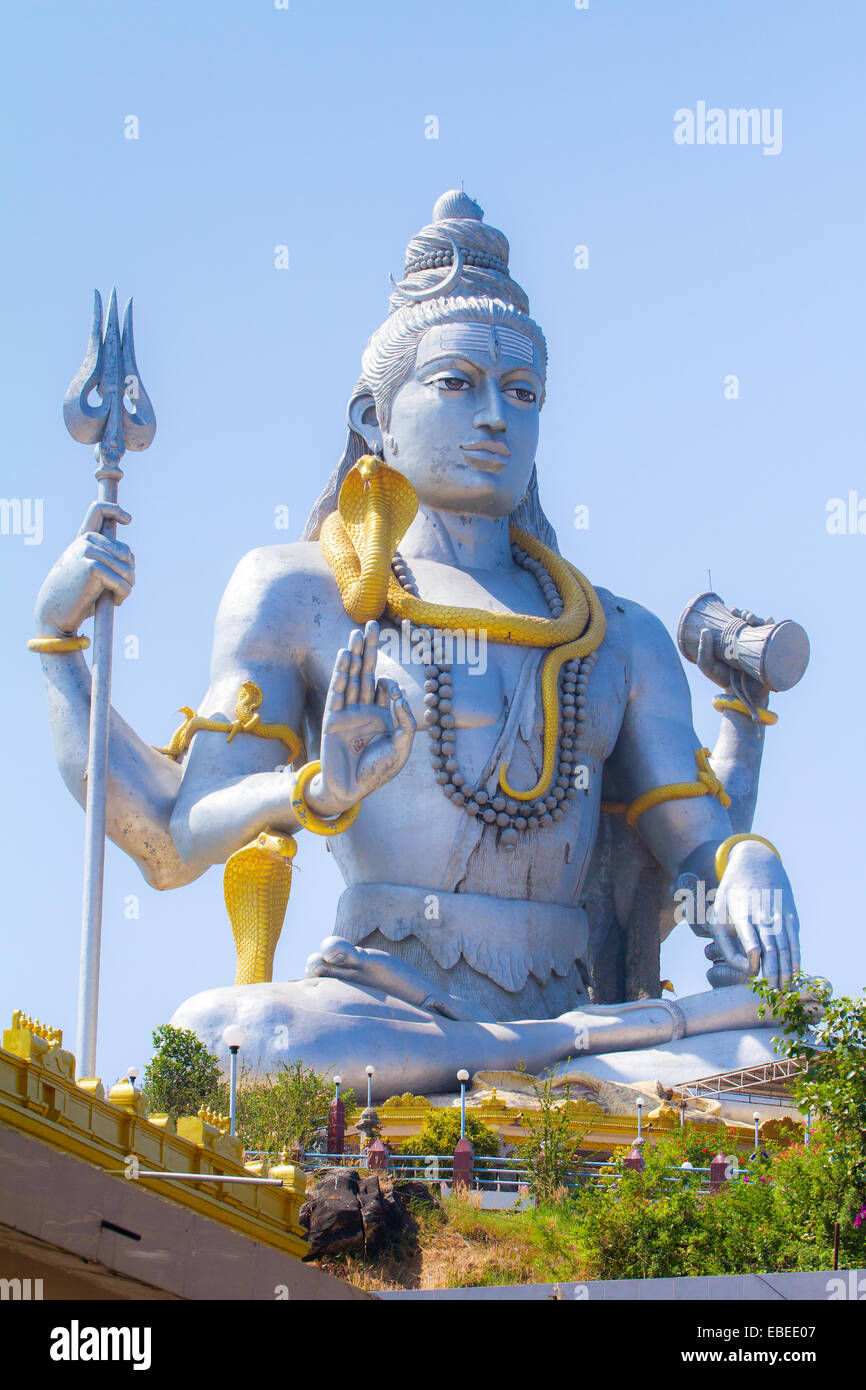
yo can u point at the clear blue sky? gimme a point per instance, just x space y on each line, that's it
306 127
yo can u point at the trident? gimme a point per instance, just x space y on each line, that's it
123 419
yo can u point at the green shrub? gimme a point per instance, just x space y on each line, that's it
774 1214
555 1135
441 1131
284 1109
829 1035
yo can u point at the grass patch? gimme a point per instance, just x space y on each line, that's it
462 1247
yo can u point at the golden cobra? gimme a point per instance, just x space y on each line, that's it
258 877
375 507
256 884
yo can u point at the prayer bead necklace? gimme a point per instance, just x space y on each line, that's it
512 818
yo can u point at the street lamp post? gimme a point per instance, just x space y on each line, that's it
234 1039
757 1119
370 1071
463 1077
639 1118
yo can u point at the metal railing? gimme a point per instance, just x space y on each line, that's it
503 1175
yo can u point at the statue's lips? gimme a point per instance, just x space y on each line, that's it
488 455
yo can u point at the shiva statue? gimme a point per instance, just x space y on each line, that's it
501 753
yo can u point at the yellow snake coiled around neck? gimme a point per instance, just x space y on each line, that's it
374 510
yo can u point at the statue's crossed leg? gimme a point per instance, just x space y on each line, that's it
338 959
359 1007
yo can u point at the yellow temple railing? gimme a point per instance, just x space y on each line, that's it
40 1097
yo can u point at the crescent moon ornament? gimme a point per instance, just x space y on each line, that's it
444 286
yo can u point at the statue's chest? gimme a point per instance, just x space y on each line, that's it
487 679
483 674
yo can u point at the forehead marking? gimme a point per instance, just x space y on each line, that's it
465 337
517 344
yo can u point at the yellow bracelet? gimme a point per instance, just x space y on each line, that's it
708 784
307 818
58 644
766 716
724 849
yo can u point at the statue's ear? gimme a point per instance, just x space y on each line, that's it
365 422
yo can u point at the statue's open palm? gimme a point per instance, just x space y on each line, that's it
367 728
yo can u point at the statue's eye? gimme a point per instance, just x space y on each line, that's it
521 393
453 383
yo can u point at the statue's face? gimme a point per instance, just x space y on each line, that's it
465 424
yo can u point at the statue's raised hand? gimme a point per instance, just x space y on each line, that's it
92 564
753 920
736 684
367 728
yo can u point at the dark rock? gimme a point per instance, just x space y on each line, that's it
331 1214
336 1170
373 1214
347 1213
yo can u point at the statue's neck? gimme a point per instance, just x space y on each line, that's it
453 538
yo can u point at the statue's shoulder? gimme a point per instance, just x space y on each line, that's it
288 584
643 635
651 661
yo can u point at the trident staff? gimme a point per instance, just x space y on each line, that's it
122 419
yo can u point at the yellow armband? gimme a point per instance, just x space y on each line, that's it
708 784
766 716
79 643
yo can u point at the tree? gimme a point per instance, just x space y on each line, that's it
829 1035
551 1148
284 1109
182 1075
441 1131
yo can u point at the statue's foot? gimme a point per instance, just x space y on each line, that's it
339 959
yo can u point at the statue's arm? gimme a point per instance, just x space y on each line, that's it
656 747
142 784
736 760
754 921
231 791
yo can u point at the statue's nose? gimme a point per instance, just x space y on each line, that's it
491 414
490 417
